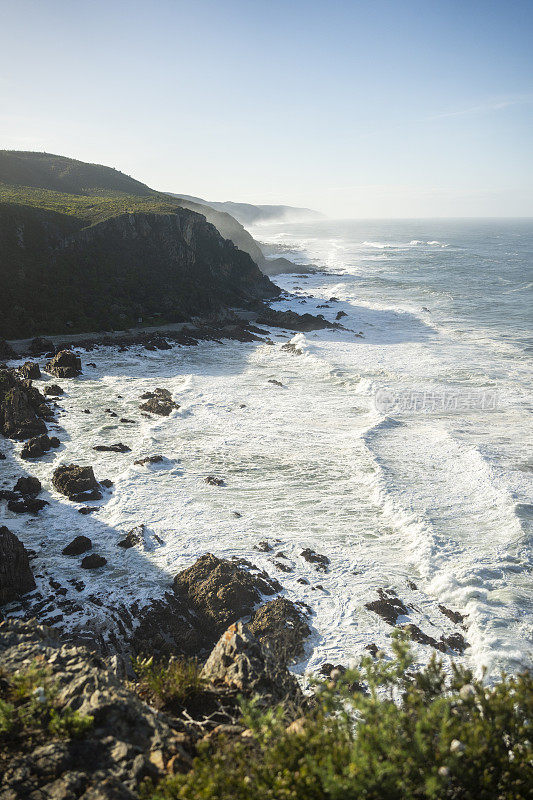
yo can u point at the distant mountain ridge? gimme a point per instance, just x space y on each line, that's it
250 214
84 247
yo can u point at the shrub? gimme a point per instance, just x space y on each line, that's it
167 682
412 735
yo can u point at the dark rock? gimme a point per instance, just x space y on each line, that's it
134 537
19 407
16 577
388 607
149 460
455 616
29 486
93 561
220 591
106 483
77 546
419 636
373 649
6 351
30 370
91 364
87 510
111 413
28 505
293 321
158 402
280 625
412 585
65 364
37 446
127 421
53 390
2 456
213 481
77 483
341 314
239 663
455 641
113 448
263 547
39 346
283 567
275 382
321 562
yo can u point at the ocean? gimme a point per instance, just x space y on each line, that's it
399 445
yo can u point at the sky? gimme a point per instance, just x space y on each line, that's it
381 108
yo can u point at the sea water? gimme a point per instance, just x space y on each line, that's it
399 445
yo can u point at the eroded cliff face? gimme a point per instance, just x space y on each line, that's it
57 276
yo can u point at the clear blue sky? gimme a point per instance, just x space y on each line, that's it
378 108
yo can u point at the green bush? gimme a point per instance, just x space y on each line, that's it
29 709
412 735
168 681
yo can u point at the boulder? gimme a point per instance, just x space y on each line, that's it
221 591
65 364
28 486
281 625
341 314
132 538
389 607
149 460
158 402
37 446
16 577
28 505
212 480
321 562
93 561
239 663
19 404
53 390
30 370
38 346
77 483
77 546
6 351
113 448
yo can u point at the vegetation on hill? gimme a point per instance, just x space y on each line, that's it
84 247
407 736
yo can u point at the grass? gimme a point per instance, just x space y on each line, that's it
168 682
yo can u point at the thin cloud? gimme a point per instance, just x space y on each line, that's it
484 108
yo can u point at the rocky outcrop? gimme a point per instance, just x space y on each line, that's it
16 577
37 446
22 407
220 591
282 626
293 321
77 546
239 663
320 561
6 351
77 483
65 364
389 607
158 402
113 448
28 486
30 370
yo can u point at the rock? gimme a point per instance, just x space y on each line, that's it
37 446
106 483
158 402
149 460
275 382
293 321
29 486
455 616
455 641
2 456
213 481
127 742
134 537
16 577
77 546
312 557
341 314
65 364
372 648
20 407
28 505
419 636
87 510
220 591
39 346
30 370
93 561
77 483
280 625
263 547
113 448
6 351
239 663
53 390
388 607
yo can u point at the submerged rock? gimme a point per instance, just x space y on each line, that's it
132 538
149 460
321 562
65 364
77 546
389 607
212 480
113 448
16 577
158 402
77 483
